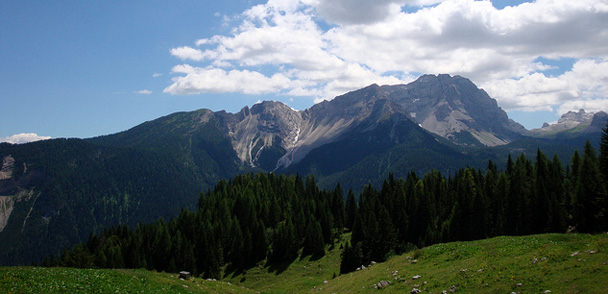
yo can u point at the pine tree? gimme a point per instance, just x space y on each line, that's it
588 193
338 209
313 241
351 209
285 244
604 155
541 216
500 205
603 158
351 258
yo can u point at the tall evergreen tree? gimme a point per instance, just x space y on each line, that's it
604 155
588 193
313 240
603 158
351 209
541 217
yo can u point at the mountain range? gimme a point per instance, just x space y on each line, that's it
54 193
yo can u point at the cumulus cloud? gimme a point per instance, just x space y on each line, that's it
287 47
23 138
185 53
584 86
214 80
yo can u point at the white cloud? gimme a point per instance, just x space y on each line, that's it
186 52
156 75
214 80
144 92
585 86
23 138
283 46
588 105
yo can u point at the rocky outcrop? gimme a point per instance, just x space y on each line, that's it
572 123
454 108
8 165
263 133
598 123
271 135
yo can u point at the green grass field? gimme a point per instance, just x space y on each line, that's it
70 280
559 263
572 263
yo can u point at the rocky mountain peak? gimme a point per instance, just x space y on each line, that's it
266 126
573 116
571 120
454 108
351 104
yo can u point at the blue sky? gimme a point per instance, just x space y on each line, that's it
88 68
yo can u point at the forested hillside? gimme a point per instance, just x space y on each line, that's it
58 191
268 220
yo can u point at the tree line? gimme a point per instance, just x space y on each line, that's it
528 197
250 219
268 219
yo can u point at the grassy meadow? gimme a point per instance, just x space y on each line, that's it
560 263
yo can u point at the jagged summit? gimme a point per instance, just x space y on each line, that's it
454 108
573 121
272 136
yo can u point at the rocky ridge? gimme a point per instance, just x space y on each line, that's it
571 121
272 135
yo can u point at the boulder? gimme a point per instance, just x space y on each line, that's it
382 284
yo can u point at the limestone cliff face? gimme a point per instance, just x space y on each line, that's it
262 134
572 122
12 194
272 135
454 108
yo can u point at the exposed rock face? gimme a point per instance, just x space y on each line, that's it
577 117
6 170
327 121
263 133
598 122
453 108
272 135
6 208
585 122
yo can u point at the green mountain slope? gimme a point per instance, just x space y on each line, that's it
70 280
193 139
377 147
61 190
561 263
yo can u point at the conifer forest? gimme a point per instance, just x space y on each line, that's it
267 219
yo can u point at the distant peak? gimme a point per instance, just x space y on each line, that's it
579 116
268 105
429 78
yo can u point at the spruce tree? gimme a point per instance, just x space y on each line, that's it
541 216
313 240
603 158
351 209
604 155
588 193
